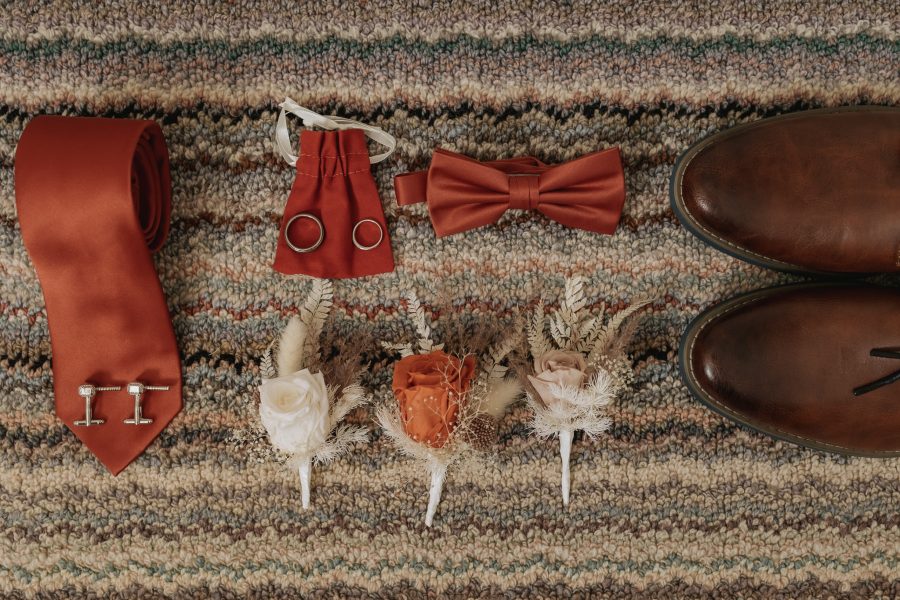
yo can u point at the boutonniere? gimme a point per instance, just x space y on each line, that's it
445 404
300 409
578 370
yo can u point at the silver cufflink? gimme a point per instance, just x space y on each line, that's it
88 392
137 389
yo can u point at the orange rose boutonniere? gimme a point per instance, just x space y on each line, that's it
429 388
445 405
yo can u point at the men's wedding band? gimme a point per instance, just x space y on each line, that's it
301 249
380 234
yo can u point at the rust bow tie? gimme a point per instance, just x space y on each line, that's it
463 193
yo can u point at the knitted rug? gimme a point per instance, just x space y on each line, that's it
674 502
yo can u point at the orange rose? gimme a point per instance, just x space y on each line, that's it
429 388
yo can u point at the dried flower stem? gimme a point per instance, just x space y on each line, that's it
305 468
565 448
434 493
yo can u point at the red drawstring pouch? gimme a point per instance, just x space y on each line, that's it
333 225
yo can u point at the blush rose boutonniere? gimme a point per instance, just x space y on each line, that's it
578 370
300 412
445 404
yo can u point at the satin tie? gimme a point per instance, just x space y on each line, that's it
463 193
93 198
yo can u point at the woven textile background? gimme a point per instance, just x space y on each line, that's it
674 502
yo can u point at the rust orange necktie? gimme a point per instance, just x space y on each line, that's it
93 198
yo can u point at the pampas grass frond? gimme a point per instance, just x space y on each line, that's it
292 347
434 458
339 443
352 396
576 408
501 394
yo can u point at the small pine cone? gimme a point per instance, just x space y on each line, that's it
481 432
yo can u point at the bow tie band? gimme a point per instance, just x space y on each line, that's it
463 193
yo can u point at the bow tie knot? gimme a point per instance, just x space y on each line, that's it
524 191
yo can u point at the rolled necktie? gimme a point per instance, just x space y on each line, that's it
463 193
94 198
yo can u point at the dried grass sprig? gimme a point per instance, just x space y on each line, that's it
578 409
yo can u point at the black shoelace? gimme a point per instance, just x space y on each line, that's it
887 379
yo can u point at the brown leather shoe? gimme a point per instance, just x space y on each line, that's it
816 191
787 361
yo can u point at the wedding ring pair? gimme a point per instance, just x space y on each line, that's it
318 242
88 391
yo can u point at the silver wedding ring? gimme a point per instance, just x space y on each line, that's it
380 234
302 249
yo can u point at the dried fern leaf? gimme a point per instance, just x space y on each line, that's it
267 364
315 311
404 349
574 295
570 307
560 330
537 338
417 315
492 365
607 335
590 329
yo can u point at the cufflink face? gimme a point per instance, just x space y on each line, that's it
137 389
88 391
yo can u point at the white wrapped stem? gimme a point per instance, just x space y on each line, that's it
434 494
305 468
565 449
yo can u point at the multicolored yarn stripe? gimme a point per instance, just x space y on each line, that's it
675 503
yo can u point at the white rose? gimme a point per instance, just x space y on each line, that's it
294 411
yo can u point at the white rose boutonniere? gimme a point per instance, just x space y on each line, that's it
300 412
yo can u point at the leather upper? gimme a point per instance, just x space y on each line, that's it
818 190
786 361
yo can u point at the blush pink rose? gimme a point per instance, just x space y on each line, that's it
557 368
